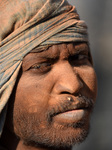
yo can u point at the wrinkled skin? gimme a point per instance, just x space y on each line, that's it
46 79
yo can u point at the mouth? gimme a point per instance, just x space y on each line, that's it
76 111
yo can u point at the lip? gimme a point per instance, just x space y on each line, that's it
73 115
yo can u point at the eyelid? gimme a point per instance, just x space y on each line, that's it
40 68
43 64
80 53
83 56
34 66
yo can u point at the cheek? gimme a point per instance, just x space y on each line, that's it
89 78
32 95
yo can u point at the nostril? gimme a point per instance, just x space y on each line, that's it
65 92
69 93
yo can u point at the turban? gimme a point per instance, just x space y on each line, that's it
29 24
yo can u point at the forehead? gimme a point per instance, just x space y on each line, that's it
59 50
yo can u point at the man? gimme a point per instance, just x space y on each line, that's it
48 84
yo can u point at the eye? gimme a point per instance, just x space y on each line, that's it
41 68
79 59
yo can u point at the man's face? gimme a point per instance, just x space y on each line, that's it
54 96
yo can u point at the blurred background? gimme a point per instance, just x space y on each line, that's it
98 16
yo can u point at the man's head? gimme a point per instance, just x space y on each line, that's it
55 91
54 96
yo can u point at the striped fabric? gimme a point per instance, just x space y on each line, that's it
26 24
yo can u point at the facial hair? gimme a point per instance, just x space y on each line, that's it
41 131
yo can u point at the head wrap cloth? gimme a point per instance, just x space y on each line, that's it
26 24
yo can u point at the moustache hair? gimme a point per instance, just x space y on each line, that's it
81 102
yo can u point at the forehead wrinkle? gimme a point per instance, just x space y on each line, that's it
82 47
70 49
51 53
64 51
55 51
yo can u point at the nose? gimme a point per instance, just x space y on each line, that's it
68 80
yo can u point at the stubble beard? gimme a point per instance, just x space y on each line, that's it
42 131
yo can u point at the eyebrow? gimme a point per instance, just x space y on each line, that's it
39 56
82 47
45 54
40 49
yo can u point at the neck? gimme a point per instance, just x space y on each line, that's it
21 146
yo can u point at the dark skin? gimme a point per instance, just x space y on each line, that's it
40 115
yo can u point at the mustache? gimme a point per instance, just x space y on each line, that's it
82 102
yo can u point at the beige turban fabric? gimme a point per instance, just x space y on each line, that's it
26 24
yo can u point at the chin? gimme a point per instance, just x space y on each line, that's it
54 136
57 140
